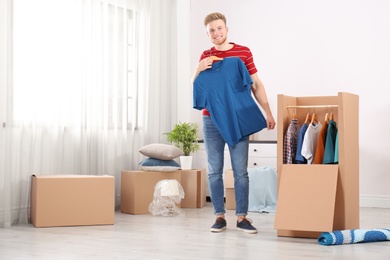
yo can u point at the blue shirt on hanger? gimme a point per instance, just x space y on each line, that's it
225 91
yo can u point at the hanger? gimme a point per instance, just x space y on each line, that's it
294 116
215 58
331 116
326 117
314 119
307 120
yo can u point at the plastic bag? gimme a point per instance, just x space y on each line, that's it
167 193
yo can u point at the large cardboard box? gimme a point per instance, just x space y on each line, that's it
319 198
72 200
230 198
137 189
194 186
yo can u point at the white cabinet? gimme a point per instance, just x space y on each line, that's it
261 153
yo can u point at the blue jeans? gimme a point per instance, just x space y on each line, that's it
215 146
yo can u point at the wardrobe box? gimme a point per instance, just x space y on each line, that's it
319 198
194 185
72 200
230 198
137 189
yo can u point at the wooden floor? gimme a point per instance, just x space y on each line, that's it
183 237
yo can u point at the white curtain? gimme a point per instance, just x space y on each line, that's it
68 102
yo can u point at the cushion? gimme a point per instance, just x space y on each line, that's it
152 164
161 151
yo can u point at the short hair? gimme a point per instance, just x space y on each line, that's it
214 16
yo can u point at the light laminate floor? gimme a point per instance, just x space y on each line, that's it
183 237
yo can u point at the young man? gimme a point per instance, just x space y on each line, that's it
217 31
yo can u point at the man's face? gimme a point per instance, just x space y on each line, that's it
217 32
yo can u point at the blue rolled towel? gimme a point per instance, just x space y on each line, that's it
354 236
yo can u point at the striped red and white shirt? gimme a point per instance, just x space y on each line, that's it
242 52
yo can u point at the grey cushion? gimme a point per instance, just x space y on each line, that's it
161 151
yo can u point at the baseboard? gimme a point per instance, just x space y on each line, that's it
375 202
365 201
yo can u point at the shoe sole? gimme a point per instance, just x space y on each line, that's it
217 230
247 230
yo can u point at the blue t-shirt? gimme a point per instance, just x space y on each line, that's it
225 91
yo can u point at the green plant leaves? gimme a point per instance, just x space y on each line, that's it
184 136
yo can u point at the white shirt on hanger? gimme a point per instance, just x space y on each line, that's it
310 142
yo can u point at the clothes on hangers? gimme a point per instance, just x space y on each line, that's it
310 141
313 146
225 91
299 159
330 145
336 149
290 142
319 154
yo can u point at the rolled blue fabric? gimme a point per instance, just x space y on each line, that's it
354 236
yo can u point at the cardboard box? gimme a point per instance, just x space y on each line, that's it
137 189
319 198
228 179
194 185
72 200
230 198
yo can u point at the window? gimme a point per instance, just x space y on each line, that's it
70 60
45 74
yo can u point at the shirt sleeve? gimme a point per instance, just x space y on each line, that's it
199 101
246 78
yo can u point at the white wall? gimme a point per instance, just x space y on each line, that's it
318 48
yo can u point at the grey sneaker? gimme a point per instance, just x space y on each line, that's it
246 226
219 225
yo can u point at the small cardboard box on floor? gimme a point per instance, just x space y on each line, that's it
137 189
230 198
72 200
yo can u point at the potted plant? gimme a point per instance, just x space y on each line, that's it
185 136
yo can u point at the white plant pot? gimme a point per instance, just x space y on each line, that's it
186 162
